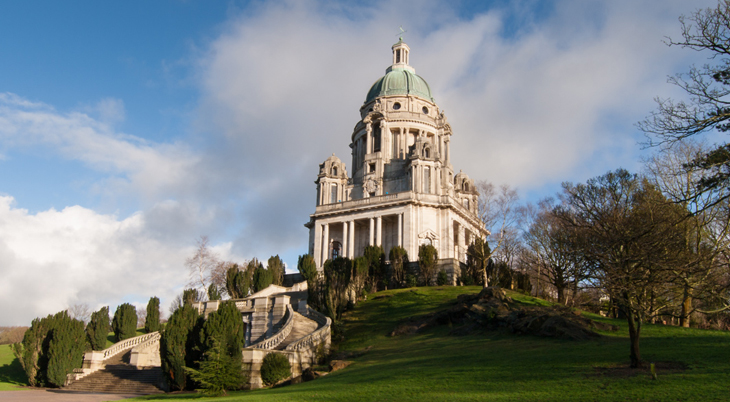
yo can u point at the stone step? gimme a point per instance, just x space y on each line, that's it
302 327
121 378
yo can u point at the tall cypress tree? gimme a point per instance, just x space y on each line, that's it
152 321
66 348
98 328
176 345
124 323
275 267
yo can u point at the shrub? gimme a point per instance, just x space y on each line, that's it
411 281
218 373
177 344
427 260
398 261
52 347
98 328
262 277
442 278
275 266
213 292
275 368
152 321
124 323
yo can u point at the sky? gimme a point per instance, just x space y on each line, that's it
130 129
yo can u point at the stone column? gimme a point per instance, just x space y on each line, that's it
317 252
372 232
379 232
344 240
462 240
369 139
400 229
325 243
351 242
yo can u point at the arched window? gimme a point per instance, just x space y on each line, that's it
466 203
334 170
426 153
336 249
466 186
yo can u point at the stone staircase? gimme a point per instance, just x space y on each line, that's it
303 326
120 377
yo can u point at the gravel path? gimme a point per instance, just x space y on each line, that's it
43 395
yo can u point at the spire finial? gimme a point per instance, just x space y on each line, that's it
400 34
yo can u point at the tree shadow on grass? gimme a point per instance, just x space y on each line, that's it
13 373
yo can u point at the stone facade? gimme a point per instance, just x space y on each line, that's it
403 190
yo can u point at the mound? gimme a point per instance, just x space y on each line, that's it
492 309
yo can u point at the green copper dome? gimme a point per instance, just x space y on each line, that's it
400 81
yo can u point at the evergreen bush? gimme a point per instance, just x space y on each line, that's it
442 278
52 347
152 321
213 292
218 372
124 323
411 281
275 267
275 368
427 260
98 328
66 348
176 345
398 261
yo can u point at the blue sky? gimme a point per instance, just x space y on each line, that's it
128 129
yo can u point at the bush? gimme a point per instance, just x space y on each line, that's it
152 321
411 281
427 259
441 278
177 344
52 347
218 373
124 323
98 328
275 368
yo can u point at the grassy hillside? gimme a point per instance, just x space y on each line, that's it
433 366
11 373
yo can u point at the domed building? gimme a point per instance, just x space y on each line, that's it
403 190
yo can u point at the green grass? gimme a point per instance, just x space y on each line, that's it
11 373
494 366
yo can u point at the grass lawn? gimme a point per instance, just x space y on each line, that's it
11 373
433 366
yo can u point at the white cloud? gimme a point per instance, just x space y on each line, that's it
147 169
54 259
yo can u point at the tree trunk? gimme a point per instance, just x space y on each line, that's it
634 332
486 278
561 294
686 308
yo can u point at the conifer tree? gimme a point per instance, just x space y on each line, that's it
152 321
218 372
124 323
427 260
261 278
98 328
275 267
176 345
66 348
213 292
225 327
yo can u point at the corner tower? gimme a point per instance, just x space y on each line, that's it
403 191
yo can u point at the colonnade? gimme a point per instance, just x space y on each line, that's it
347 237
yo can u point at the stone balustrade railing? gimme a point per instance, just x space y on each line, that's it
147 353
274 341
127 344
94 360
316 337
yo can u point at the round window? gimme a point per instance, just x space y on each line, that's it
396 106
425 110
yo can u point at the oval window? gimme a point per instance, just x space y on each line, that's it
425 110
396 106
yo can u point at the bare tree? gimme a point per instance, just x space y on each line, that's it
80 312
706 230
707 107
498 210
201 265
141 316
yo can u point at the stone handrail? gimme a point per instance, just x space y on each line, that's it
315 337
127 344
285 330
94 360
